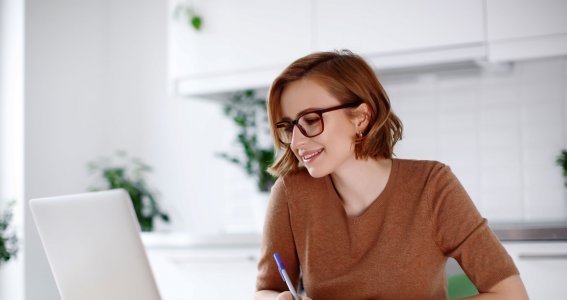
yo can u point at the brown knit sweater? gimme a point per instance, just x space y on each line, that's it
396 249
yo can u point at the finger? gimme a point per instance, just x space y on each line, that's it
285 296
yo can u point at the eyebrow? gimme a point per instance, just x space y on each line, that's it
307 110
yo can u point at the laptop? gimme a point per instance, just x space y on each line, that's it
93 246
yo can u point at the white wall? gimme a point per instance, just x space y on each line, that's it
90 67
11 132
66 111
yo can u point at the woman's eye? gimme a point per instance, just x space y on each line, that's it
285 127
311 121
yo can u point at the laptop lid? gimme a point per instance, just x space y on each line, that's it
93 246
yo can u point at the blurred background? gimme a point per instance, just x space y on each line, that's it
480 85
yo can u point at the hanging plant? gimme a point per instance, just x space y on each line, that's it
186 12
8 238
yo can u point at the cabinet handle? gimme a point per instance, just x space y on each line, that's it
542 256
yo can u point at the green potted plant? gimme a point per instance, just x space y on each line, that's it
249 114
562 161
8 238
129 174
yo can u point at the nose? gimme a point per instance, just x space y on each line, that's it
297 138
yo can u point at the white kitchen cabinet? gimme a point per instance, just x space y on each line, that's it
203 267
524 29
242 44
542 266
245 44
401 28
205 272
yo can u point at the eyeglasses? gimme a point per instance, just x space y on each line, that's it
310 123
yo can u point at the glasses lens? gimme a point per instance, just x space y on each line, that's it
311 124
284 132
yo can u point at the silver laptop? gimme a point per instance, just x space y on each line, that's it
93 246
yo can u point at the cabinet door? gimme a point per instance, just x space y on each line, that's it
381 27
542 266
525 29
205 273
512 19
239 37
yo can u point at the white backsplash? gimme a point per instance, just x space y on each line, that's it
499 131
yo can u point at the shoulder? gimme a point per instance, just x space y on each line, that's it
422 169
424 176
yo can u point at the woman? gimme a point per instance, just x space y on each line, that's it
350 220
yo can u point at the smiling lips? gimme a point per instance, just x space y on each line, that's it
310 156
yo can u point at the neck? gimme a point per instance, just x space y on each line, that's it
360 182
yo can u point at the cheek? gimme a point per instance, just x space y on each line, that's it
340 134
338 144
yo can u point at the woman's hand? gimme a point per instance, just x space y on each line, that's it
288 296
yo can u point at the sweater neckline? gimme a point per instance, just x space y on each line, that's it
376 203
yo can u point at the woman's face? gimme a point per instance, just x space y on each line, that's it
326 153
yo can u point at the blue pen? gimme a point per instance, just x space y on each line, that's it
285 278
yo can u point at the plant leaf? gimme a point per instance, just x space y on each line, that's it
196 22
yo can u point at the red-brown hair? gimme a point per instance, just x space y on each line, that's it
348 78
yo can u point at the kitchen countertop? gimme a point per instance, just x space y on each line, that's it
523 231
172 240
531 231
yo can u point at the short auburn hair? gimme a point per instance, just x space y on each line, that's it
348 78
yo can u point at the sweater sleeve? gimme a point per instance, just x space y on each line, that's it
277 236
460 232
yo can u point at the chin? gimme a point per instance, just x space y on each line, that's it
316 172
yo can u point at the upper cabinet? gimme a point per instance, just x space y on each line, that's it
246 44
524 29
396 34
392 28
243 43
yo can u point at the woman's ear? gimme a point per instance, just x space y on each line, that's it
361 117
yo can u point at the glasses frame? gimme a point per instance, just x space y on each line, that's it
320 112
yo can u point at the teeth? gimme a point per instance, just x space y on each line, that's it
306 157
